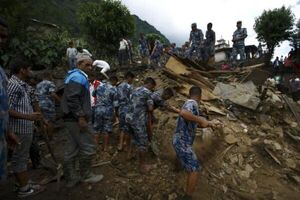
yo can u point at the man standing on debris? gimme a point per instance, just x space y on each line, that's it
238 40
106 104
144 49
210 40
71 55
21 123
123 52
196 42
76 107
138 116
124 91
189 118
156 53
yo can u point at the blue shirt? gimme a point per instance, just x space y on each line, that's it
3 102
196 37
240 35
139 105
43 92
186 130
157 100
124 92
106 95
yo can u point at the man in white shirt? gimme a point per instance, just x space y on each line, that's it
123 55
71 55
103 65
84 51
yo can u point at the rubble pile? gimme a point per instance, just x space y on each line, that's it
256 155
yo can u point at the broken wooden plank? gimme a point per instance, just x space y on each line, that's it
101 164
292 108
272 156
200 78
181 69
206 92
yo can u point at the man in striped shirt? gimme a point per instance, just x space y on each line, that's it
21 123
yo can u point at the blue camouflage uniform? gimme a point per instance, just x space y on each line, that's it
46 101
239 45
3 123
106 102
124 91
144 51
184 137
155 56
209 44
138 114
157 100
196 37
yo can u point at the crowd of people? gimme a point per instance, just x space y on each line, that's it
90 104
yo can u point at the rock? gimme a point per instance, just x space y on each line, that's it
252 184
172 196
225 188
249 168
246 140
265 127
227 131
243 94
266 141
294 124
260 133
244 174
277 146
234 159
157 196
241 160
90 187
291 163
278 131
231 139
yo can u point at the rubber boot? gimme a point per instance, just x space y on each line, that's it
87 176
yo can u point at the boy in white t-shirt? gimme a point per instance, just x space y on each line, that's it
103 65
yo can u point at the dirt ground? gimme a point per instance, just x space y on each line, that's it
234 167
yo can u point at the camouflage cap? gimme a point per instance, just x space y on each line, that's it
194 25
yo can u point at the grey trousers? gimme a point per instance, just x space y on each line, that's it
80 147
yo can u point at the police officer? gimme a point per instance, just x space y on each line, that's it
238 40
195 42
209 44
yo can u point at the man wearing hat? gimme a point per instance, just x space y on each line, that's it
238 40
195 42
77 113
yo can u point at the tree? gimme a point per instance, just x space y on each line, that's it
152 37
295 40
273 27
105 23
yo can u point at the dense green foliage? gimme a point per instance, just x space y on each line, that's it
105 23
151 37
295 39
274 26
41 29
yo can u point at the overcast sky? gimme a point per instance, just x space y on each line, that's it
174 17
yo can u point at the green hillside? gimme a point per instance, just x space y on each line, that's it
142 26
60 12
